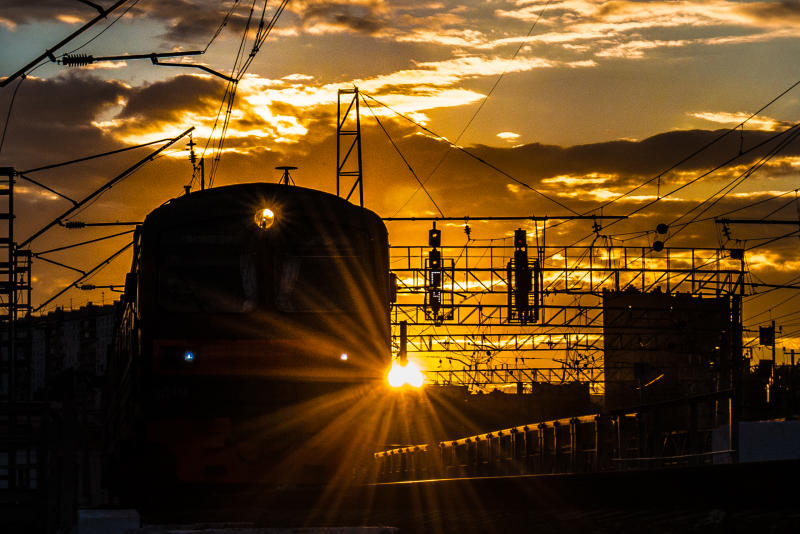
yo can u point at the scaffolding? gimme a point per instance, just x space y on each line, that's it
348 146
481 341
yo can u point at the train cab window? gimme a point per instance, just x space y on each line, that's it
316 283
220 267
204 271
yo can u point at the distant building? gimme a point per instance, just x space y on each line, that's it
76 340
660 346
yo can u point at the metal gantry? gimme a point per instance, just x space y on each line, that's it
481 342
348 146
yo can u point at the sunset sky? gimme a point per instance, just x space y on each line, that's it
581 101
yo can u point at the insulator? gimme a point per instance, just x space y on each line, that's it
75 224
77 60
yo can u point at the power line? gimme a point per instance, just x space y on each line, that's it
8 114
95 156
237 72
49 53
397 149
104 30
474 156
222 24
791 131
734 183
701 149
480 107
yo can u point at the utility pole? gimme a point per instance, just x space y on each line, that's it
791 384
773 351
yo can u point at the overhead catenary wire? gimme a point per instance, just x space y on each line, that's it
22 78
8 113
237 73
49 54
222 25
790 131
700 150
104 30
728 188
479 108
94 156
686 159
87 274
474 156
88 242
108 185
397 149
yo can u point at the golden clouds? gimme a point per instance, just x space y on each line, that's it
758 122
629 29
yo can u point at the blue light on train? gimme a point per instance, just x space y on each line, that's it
188 356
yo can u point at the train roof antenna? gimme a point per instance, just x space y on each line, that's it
285 178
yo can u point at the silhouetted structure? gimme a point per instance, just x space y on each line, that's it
660 346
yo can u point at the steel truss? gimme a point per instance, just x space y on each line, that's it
480 334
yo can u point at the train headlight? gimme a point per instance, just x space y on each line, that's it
264 218
408 374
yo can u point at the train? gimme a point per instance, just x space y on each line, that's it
253 339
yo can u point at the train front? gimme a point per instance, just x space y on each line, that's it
264 323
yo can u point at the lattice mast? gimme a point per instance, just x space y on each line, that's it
349 172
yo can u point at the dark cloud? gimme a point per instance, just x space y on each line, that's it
167 101
787 11
358 18
22 12
633 160
195 21
186 21
51 118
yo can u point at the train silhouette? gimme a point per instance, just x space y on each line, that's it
254 337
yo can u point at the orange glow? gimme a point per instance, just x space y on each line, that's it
264 218
400 375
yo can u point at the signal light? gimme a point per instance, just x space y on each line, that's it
520 239
435 260
766 336
434 237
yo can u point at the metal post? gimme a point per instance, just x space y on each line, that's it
346 141
403 354
772 377
793 394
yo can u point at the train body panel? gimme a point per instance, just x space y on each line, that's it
256 317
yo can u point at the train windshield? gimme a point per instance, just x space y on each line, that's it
204 271
225 270
316 283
